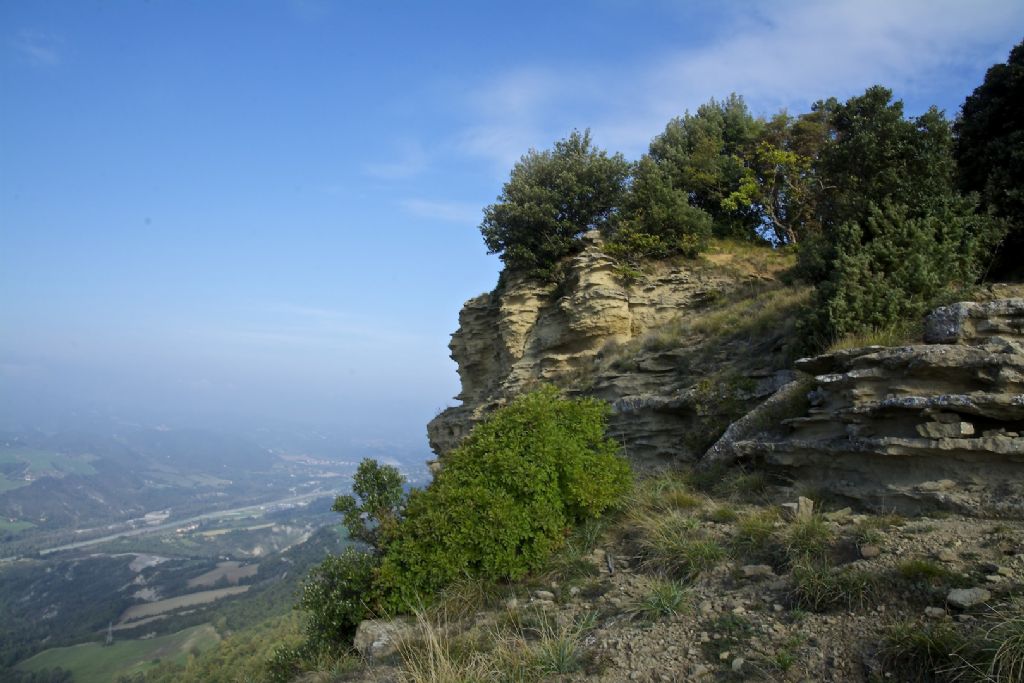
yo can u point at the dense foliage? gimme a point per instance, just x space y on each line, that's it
503 503
334 596
506 497
550 200
339 592
990 151
873 199
895 233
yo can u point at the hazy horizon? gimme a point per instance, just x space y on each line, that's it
217 214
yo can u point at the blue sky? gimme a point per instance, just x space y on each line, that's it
270 209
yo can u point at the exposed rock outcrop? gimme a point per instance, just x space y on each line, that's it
928 425
680 352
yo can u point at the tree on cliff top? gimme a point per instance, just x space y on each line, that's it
550 200
990 151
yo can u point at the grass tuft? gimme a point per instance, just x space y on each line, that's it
754 537
819 588
665 599
808 538
918 652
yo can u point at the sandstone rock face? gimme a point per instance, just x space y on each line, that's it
929 425
673 386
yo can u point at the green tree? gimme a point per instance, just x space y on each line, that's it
657 219
890 267
704 154
881 156
374 516
781 184
895 233
990 151
506 497
550 200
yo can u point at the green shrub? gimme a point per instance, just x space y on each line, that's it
336 597
506 497
657 219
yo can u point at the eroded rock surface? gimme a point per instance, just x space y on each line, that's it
674 381
927 425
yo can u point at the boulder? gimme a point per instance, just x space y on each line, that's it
965 598
377 638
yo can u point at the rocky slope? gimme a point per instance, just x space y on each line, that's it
679 351
927 425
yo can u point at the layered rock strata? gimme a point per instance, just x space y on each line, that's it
633 345
939 424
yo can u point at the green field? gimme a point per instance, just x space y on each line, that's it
13 527
95 663
42 464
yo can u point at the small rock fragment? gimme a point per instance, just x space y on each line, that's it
934 612
940 430
868 550
804 508
964 598
751 571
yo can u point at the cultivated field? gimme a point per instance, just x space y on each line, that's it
232 571
96 663
170 604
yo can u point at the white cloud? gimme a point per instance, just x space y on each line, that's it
444 210
37 48
778 54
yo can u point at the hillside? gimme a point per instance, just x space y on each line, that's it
853 516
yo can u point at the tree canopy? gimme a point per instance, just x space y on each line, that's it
550 200
990 151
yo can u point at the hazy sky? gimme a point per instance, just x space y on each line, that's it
270 208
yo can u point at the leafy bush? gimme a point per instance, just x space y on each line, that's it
890 267
989 137
506 497
336 597
550 200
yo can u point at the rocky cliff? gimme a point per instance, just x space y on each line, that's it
937 424
679 350
691 349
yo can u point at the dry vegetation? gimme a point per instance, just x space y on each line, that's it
703 577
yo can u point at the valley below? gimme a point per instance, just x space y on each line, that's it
163 553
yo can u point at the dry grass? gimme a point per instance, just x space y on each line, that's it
897 335
521 650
